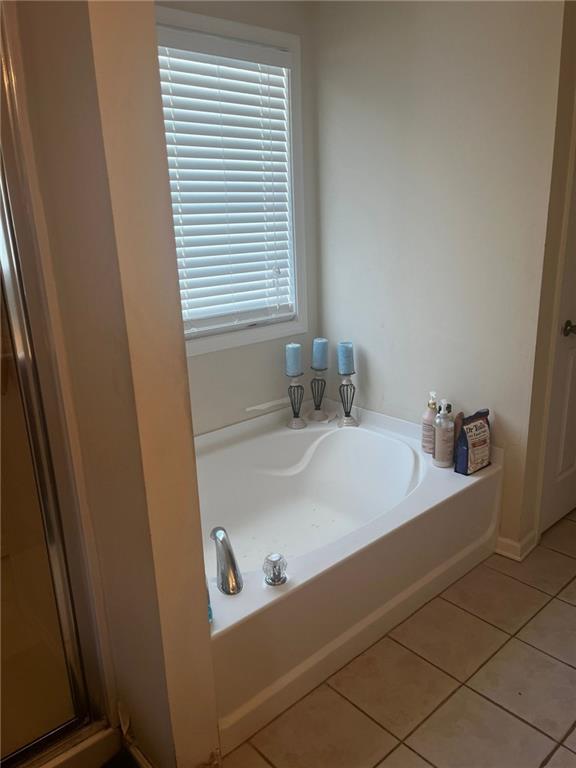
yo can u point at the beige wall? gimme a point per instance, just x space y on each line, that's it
123 36
224 383
63 108
437 124
127 400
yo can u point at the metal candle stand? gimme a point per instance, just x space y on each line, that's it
296 396
347 391
318 387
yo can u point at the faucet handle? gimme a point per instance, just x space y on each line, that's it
275 569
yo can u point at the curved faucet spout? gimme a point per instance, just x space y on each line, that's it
228 576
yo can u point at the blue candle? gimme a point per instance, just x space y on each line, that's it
320 354
345 358
293 359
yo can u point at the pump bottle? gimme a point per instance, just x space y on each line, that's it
444 436
428 424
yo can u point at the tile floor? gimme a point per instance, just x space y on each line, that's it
483 676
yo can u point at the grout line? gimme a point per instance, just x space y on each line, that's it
512 714
461 684
559 551
526 584
531 619
386 756
495 626
563 600
262 755
487 661
326 680
413 749
568 732
573 728
436 708
546 604
521 627
366 714
433 664
536 648
386 634
550 756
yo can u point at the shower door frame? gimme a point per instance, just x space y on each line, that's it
19 329
28 320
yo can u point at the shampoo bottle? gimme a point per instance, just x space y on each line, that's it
444 436
428 418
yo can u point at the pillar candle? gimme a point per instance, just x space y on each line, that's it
320 354
345 358
293 359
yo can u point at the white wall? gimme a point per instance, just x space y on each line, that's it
223 384
436 127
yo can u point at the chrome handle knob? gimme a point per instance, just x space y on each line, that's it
569 327
275 569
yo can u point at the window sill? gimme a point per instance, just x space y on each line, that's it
203 345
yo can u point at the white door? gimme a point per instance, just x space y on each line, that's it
559 492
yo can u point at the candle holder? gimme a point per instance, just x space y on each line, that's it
296 396
347 391
318 387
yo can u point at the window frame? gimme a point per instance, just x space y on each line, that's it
176 28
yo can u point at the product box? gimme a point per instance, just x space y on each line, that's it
473 443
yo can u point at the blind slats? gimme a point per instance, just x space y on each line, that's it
206 219
227 125
254 133
197 262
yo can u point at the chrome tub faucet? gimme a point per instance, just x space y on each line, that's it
228 576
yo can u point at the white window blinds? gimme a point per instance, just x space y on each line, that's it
227 124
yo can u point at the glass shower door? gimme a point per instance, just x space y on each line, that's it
39 692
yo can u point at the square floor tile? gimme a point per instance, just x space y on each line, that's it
394 686
570 741
496 598
471 732
323 730
562 758
532 685
402 757
543 568
450 638
553 630
568 594
561 537
245 757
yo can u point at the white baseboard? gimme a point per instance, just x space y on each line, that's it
517 550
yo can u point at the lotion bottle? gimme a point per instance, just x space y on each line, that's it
428 418
444 436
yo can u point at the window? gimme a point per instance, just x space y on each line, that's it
229 135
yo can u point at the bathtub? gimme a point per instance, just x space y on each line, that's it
370 530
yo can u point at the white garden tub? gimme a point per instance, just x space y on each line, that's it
370 530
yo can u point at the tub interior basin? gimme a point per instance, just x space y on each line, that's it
295 491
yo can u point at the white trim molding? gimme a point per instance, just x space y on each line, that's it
176 27
517 550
